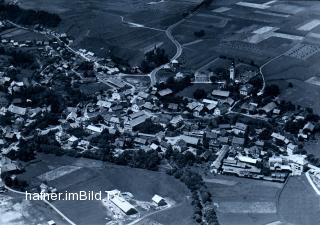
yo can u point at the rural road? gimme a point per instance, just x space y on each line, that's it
45 201
168 32
150 214
260 70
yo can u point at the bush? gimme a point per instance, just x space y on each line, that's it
28 16
199 94
199 34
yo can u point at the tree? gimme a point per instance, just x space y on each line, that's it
28 16
153 59
272 90
199 94
199 33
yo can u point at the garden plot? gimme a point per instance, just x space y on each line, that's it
272 14
247 207
310 25
314 80
313 35
240 45
286 8
303 51
265 29
221 9
253 5
57 173
288 36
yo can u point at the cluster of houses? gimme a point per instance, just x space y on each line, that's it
140 119
273 159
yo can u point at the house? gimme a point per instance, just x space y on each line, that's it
237 142
247 159
291 148
148 106
138 120
95 129
296 162
216 165
154 146
104 104
246 89
220 94
309 127
223 140
173 106
140 141
51 222
224 126
277 136
190 140
240 128
158 200
114 120
220 110
17 110
175 121
201 77
269 107
72 139
165 92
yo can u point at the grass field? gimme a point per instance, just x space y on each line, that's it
313 146
97 25
298 203
243 201
301 93
96 176
188 92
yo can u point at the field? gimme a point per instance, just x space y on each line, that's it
298 203
97 176
302 93
313 146
243 201
188 92
97 25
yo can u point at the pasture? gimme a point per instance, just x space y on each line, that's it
92 175
298 203
98 26
242 201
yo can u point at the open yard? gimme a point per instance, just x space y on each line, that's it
15 210
96 176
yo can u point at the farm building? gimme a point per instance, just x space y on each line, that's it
220 94
121 203
159 200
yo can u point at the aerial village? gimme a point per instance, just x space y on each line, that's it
83 106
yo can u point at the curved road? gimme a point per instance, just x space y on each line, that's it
260 70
